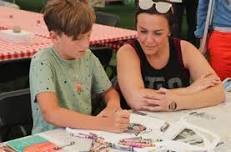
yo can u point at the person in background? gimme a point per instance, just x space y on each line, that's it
190 7
154 70
63 76
8 4
219 37
97 3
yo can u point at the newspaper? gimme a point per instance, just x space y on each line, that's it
214 119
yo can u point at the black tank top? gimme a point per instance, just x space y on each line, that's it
173 75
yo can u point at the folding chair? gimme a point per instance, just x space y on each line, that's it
14 74
104 54
15 114
107 18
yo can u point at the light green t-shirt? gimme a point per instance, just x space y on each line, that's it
73 81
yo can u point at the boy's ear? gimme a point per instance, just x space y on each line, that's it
54 36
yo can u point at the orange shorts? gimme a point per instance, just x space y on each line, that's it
219 49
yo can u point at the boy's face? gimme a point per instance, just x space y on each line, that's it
70 49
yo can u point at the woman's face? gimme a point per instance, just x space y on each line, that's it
152 32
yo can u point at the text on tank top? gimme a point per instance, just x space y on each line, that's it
173 75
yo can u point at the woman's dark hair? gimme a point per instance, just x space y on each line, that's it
152 10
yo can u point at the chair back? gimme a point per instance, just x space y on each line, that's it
107 18
104 54
14 74
12 69
15 114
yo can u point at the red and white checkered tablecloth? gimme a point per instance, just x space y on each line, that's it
9 51
33 22
29 21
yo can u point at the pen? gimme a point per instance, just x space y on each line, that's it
121 147
139 113
138 145
63 146
164 127
132 139
138 140
84 135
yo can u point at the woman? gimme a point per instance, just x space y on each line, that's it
154 71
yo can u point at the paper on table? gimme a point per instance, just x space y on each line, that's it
110 137
213 119
61 138
152 124
227 84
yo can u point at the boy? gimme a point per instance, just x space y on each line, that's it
63 76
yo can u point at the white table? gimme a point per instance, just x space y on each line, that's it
217 114
216 119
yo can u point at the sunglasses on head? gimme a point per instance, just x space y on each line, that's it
161 7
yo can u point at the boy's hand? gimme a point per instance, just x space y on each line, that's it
118 122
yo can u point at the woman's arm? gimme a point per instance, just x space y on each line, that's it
195 96
206 89
56 115
130 79
199 67
203 82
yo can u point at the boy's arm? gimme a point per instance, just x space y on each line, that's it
112 100
56 115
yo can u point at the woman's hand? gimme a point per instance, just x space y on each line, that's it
204 82
145 97
162 100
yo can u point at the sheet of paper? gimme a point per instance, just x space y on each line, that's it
153 126
61 138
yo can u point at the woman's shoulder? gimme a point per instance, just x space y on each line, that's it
181 44
189 52
187 46
127 53
125 49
